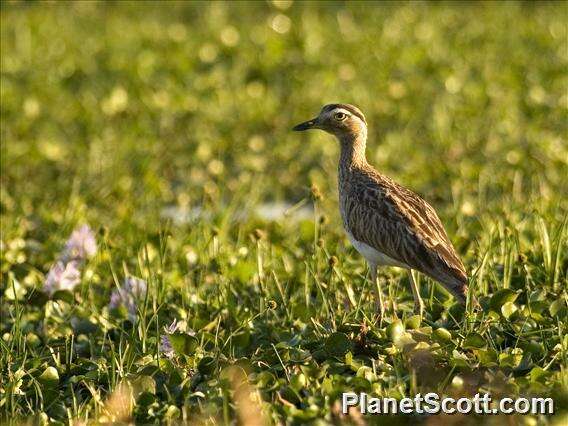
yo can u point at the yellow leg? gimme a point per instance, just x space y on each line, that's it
418 303
378 290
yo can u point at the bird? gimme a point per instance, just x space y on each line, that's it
388 224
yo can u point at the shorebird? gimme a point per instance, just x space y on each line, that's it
388 224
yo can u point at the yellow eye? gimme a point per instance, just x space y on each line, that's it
340 116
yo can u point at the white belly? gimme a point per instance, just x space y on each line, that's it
374 257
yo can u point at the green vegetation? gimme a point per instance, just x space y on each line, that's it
166 128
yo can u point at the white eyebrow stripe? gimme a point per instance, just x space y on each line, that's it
344 111
334 111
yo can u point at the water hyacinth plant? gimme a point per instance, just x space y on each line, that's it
166 346
170 125
178 340
129 296
65 274
81 245
62 276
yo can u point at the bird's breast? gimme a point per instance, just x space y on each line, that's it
372 255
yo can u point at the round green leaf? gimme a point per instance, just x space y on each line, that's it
172 412
298 381
442 335
183 343
500 297
395 330
474 341
558 308
337 344
508 309
487 358
413 322
49 377
64 295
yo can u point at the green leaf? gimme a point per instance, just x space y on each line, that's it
512 359
298 381
120 311
457 311
459 360
38 298
337 344
49 378
64 295
265 379
487 358
538 374
183 343
144 384
145 399
367 373
172 412
413 322
508 309
33 340
539 306
290 394
474 341
395 330
14 289
360 384
442 335
241 340
84 326
500 297
558 308
533 347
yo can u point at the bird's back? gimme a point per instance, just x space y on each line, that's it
400 224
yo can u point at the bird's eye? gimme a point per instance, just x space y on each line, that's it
340 116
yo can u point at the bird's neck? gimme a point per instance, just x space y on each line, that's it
353 149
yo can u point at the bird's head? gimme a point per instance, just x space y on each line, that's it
338 119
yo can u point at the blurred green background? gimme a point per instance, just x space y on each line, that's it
167 127
133 106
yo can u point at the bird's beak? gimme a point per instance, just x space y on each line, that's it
306 125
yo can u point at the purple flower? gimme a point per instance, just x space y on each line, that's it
133 290
135 286
166 345
173 327
81 244
65 274
115 300
62 276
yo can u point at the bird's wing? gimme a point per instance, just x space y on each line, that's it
400 224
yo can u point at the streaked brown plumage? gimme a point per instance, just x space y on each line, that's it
387 223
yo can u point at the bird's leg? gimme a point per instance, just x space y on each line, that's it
418 303
378 291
